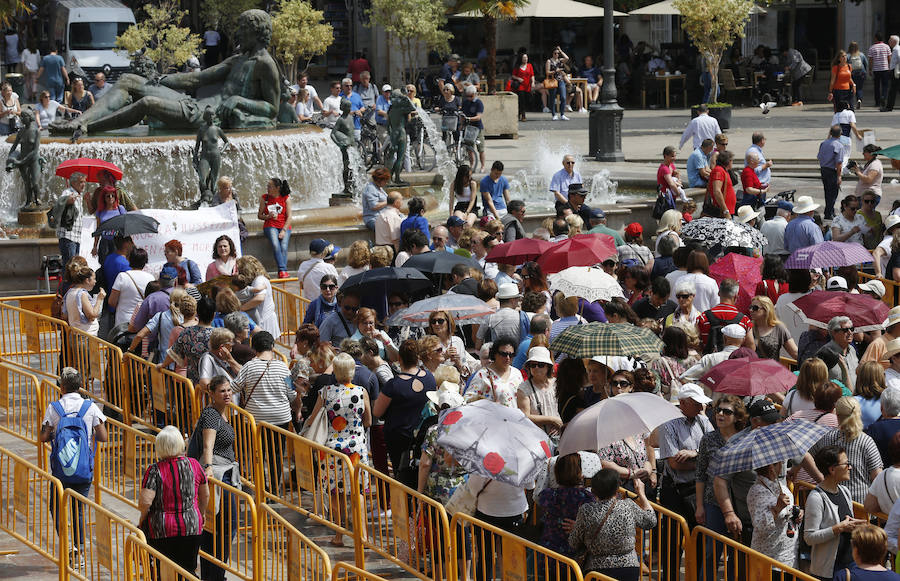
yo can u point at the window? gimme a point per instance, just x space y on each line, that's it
95 35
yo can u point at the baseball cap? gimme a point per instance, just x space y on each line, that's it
318 245
385 88
734 331
577 189
634 229
764 410
334 252
455 221
836 283
873 286
785 205
168 275
597 214
694 392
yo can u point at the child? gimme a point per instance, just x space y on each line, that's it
687 210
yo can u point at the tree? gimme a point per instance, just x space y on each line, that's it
159 35
713 26
414 24
224 14
298 33
491 10
9 9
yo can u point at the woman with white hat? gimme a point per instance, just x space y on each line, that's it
536 396
439 474
883 251
669 225
747 215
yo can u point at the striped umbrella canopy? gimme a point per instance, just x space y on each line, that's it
593 339
828 255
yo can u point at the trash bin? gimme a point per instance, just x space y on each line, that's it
17 82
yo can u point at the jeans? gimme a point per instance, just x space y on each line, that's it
279 247
486 545
57 91
859 78
370 223
842 95
830 182
561 89
68 249
881 80
75 510
219 545
796 84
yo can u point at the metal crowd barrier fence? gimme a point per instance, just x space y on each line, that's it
144 563
320 483
231 531
29 500
32 340
594 576
121 461
667 540
100 365
801 492
416 535
290 309
159 397
20 406
346 572
286 554
99 536
738 561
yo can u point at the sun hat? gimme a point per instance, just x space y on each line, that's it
508 290
694 392
875 287
447 393
891 349
805 204
745 214
539 355
890 222
893 317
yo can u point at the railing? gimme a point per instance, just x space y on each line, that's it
144 563
286 554
29 502
416 535
801 492
668 539
31 340
740 561
99 536
347 572
594 576
159 397
20 401
290 309
121 461
100 365
234 535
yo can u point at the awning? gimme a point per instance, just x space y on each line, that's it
552 9
667 8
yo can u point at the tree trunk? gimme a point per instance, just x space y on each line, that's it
490 41
713 61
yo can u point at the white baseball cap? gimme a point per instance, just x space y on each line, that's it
694 392
734 331
385 88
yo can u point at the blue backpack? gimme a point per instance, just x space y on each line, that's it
71 457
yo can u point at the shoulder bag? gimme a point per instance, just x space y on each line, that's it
316 428
582 559
464 500
246 400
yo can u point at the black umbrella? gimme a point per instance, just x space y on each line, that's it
439 262
374 286
127 225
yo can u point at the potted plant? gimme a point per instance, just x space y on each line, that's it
713 26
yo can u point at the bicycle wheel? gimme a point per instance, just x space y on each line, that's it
367 151
425 157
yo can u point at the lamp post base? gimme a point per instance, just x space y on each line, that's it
605 127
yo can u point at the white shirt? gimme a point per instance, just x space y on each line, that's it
497 498
387 225
773 230
845 225
349 271
72 402
886 488
331 103
131 285
304 109
313 94
32 60
891 378
707 295
310 275
885 245
701 127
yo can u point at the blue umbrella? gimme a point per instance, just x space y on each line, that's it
767 445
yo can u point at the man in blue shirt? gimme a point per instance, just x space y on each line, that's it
382 104
594 79
559 183
357 107
698 164
762 170
473 109
802 231
449 71
340 324
831 158
117 261
495 191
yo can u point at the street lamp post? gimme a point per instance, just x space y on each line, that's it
605 124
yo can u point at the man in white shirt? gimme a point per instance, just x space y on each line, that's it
701 127
773 230
331 108
388 220
211 41
303 83
559 183
127 291
733 336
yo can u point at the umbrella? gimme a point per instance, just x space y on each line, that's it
614 419
828 255
819 307
713 231
590 465
89 167
495 441
749 377
591 284
439 262
519 251
375 285
127 224
892 152
465 310
581 250
625 339
667 8
551 9
767 445
745 270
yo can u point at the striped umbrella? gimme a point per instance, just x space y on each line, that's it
623 339
767 445
828 255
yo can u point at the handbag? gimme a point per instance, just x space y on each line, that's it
710 209
550 83
661 205
463 500
582 559
316 428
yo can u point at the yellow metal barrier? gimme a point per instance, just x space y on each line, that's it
667 540
144 563
20 401
99 536
246 439
290 309
502 555
313 468
416 535
159 397
120 463
100 365
29 499
594 576
31 340
347 572
740 561
802 489
231 532
286 554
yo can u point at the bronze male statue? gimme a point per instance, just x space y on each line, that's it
398 114
27 158
342 134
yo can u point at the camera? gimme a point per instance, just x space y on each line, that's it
851 164
793 522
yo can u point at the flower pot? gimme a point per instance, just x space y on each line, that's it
720 112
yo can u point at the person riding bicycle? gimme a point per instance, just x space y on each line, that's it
473 109
448 106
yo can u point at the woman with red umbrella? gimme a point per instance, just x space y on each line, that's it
105 178
107 207
771 335
534 280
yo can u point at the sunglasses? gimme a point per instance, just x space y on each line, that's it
538 365
328 286
846 329
684 296
868 201
509 354
438 321
569 163
621 383
725 411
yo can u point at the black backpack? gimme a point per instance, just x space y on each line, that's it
715 341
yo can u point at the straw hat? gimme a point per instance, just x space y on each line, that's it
805 204
891 349
539 355
745 214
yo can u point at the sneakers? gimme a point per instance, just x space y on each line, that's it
582 110
859 103
568 108
76 559
546 110
556 117
283 274
563 117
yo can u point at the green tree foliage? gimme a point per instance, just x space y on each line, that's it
158 33
491 10
224 13
298 34
10 8
414 24
713 26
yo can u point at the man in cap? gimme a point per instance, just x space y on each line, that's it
382 105
679 441
733 336
507 321
598 226
559 183
721 316
156 302
874 288
455 226
801 231
836 283
341 323
312 270
575 203
773 230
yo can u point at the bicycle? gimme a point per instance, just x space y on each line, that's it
371 150
460 137
421 151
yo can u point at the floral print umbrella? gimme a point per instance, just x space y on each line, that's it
494 441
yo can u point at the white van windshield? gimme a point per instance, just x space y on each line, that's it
95 35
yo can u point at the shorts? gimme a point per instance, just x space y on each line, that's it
461 207
592 85
479 141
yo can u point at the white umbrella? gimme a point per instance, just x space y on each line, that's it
591 284
552 9
614 419
667 8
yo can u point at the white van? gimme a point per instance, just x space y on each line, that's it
85 32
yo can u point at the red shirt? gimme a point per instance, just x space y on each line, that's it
279 220
719 173
357 66
527 76
772 289
725 313
661 174
749 179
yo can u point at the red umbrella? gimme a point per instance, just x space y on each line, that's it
819 307
581 250
748 376
519 251
743 269
89 167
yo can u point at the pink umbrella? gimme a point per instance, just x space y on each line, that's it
745 270
747 376
580 250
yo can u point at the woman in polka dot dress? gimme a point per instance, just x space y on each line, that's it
348 413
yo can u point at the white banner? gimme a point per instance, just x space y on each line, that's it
197 231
